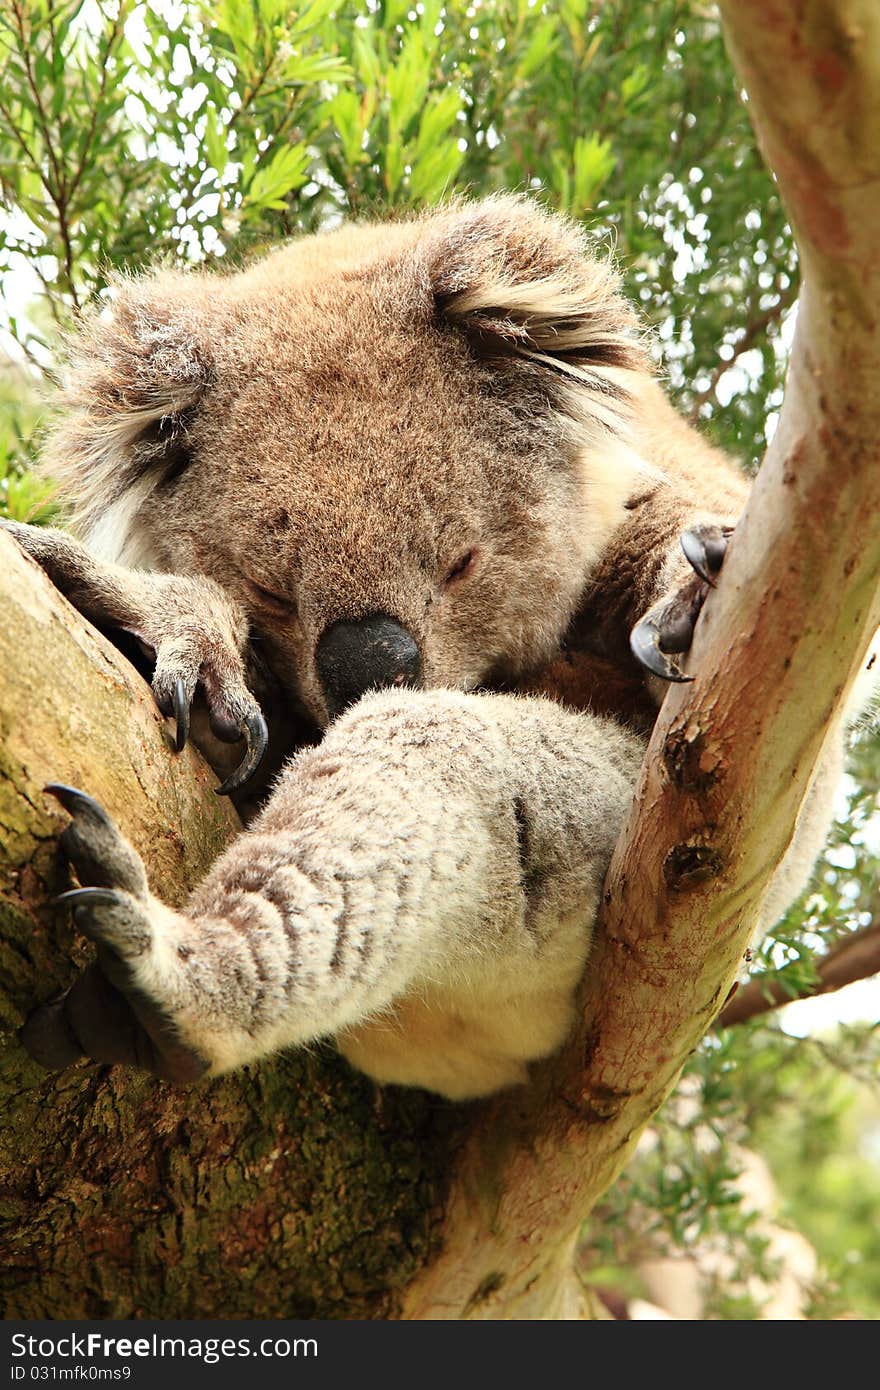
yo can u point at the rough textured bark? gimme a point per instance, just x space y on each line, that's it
298 1190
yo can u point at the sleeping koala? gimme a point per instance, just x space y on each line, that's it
423 459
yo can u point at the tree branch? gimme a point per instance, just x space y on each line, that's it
856 957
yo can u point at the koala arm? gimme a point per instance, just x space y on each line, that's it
433 843
198 633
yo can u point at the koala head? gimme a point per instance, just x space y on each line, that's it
400 446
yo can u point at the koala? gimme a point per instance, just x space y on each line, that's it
402 504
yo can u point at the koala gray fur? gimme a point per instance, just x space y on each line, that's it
447 424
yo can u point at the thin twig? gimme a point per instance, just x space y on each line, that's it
114 34
751 332
59 194
856 957
25 148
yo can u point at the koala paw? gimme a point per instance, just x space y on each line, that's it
108 1015
196 634
667 628
182 663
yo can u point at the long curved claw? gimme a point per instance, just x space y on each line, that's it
85 897
256 734
181 715
704 548
123 929
73 800
644 641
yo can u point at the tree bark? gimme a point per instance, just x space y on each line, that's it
298 1189
776 651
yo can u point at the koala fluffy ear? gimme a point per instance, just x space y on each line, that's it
135 375
524 283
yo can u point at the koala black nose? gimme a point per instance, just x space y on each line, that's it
356 656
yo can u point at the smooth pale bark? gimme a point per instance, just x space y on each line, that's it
299 1189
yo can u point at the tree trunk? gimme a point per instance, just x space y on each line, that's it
299 1189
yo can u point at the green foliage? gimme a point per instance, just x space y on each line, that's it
810 1107
23 495
133 130
136 131
825 1155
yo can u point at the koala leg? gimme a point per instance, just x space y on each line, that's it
436 845
198 634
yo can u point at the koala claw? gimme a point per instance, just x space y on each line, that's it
705 547
174 697
101 857
181 706
668 626
77 896
125 928
74 801
648 641
256 735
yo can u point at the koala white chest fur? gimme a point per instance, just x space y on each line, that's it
411 484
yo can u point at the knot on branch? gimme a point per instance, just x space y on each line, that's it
688 865
691 764
603 1103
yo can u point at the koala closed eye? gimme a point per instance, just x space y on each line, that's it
463 567
271 599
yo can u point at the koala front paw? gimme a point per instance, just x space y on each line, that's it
667 628
195 632
199 653
109 1014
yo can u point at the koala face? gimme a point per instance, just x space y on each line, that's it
400 447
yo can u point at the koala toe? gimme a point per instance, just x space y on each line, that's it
256 735
666 630
704 547
105 1019
100 855
232 709
174 690
110 918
